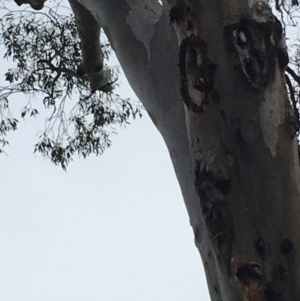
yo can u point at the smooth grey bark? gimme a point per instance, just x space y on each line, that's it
154 76
226 120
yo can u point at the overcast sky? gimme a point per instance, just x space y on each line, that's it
110 228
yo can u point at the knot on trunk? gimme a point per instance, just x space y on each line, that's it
259 42
196 73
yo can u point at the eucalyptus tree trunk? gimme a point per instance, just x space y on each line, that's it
211 76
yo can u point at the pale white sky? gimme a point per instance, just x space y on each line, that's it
110 228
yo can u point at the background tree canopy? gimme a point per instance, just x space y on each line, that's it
44 49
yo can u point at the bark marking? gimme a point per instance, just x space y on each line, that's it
260 43
212 189
286 246
142 18
260 246
248 271
196 73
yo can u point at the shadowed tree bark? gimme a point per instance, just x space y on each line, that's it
211 76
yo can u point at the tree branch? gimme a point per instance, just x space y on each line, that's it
293 74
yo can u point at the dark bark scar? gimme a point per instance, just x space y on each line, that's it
196 73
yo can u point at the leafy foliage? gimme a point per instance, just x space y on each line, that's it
45 50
